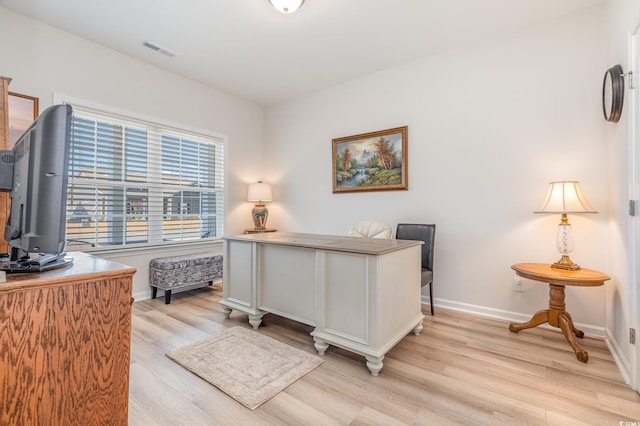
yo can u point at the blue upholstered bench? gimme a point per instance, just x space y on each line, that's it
170 273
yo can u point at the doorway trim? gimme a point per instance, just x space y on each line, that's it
634 194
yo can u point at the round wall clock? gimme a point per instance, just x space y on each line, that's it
613 93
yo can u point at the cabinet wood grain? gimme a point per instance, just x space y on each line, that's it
65 345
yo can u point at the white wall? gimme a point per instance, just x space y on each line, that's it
43 61
623 18
490 125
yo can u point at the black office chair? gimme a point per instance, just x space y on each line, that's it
426 233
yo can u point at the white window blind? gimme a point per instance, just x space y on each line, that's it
133 182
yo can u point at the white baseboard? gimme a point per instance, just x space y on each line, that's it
624 365
589 330
144 295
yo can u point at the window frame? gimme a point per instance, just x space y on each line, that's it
124 117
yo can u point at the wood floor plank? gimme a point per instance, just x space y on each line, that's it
462 369
342 410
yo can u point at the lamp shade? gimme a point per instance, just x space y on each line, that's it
565 197
259 192
286 6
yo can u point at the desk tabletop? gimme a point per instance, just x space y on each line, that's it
374 246
543 272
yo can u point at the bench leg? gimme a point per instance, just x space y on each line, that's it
154 292
167 297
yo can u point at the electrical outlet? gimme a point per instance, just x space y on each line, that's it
517 284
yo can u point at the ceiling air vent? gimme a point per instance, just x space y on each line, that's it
158 49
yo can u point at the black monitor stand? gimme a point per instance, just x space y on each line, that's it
21 262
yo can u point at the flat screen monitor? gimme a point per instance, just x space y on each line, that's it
36 228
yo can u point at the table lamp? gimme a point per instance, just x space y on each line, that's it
565 197
259 193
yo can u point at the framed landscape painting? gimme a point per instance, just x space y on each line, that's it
375 161
23 110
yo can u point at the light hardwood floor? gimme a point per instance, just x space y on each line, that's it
462 369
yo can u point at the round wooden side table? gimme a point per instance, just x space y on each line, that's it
556 315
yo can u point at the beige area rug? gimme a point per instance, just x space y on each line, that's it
246 365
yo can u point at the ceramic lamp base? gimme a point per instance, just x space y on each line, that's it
260 215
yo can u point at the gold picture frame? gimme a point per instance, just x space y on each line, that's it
23 110
375 161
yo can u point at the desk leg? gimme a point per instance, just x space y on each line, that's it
417 329
374 364
320 345
256 319
226 311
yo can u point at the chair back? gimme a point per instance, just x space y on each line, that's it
370 229
420 232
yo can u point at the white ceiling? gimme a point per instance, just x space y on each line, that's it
248 49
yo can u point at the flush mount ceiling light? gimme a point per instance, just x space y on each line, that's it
286 6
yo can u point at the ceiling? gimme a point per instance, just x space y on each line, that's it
248 49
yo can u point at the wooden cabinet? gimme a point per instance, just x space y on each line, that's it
65 338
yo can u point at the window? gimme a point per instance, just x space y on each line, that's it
133 182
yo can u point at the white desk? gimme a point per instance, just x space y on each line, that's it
360 294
